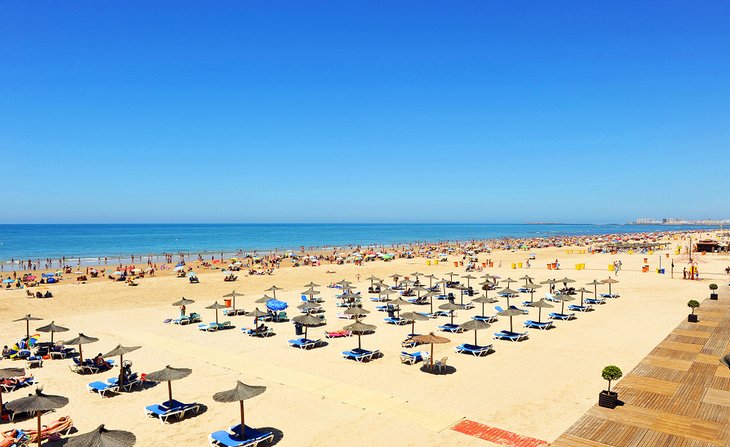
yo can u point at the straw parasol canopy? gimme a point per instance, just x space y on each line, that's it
239 393
356 310
414 316
430 296
216 306
168 374
359 328
273 290
308 306
509 281
595 283
507 293
468 279
52 328
233 295
308 320
38 404
263 299
450 307
28 318
120 351
566 281
256 314
311 292
451 276
183 302
484 300
81 340
475 325
431 277
311 285
609 281
540 304
431 339
101 437
527 279
509 312
398 302
549 282
8 373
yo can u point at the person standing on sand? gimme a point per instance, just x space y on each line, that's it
182 310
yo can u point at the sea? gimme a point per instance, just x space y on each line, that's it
117 242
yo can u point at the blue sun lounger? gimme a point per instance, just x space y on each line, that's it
612 295
397 321
595 300
577 308
510 336
303 343
485 318
551 297
170 410
102 388
251 438
559 316
360 355
475 350
453 328
532 324
524 311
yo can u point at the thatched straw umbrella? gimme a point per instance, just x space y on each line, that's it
450 307
431 339
610 281
120 351
216 306
233 295
37 404
484 300
101 437
168 374
238 394
273 290
28 318
475 325
8 373
414 316
81 340
540 304
308 320
510 313
52 328
359 328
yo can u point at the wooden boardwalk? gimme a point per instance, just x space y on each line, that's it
678 396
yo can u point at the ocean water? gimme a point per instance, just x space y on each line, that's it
121 240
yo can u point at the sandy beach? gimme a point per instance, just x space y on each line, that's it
534 388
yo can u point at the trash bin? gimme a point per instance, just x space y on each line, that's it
298 329
228 302
391 313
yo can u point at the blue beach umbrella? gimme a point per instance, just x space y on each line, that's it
8 281
276 305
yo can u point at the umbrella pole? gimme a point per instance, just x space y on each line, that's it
2 409
413 327
51 337
475 338
510 323
243 426
81 354
169 392
359 346
216 317
431 300
452 317
38 416
431 356
305 337
121 370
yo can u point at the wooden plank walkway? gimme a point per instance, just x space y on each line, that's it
679 395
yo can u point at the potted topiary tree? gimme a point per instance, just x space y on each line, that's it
692 304
713 293
608 398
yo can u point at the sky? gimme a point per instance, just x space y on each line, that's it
377 111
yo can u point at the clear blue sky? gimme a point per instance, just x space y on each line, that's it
369 111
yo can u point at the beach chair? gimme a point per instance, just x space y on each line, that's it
413 358
609 295
134 380
485 318
441 364
593 301
579 308
103 389
16 383
210 327
337 334
468 306
397 321
169 410
304 343
360 355
182 321
453 328
268 332
475 350
510 336
61 353
34 361
551 297
531 324
61 426
559 316
234 438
